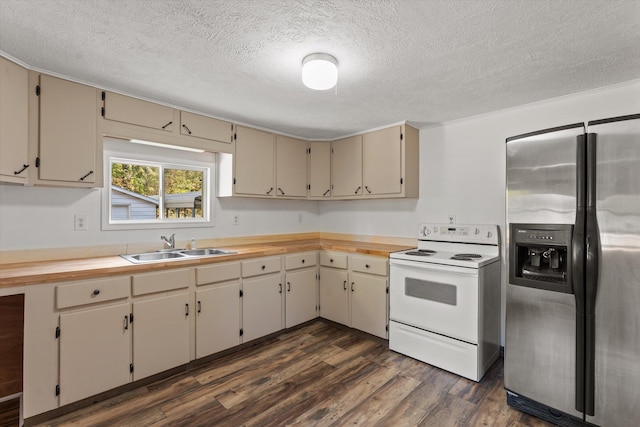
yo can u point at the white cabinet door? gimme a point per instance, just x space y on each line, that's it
291 167
217 318
160 334
68 115
254 162
369 303
334 295
261 306
320 169
94 351
301 295
382 161
346 167
14 110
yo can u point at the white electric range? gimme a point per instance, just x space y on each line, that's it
445 298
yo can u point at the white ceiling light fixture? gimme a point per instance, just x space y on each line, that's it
319 71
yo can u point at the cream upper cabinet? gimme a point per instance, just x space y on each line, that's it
346 167
319 170
205 127
134 111
254 162
14 110
291 167
382 161
67 127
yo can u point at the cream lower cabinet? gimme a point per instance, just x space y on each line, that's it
161 321
94 337
357 297
334 287
369 294
217 308
301 283
262 297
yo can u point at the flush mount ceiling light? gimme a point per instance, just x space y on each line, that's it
319 71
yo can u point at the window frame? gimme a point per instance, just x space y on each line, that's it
122 151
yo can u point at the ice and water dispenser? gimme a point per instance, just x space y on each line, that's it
540 256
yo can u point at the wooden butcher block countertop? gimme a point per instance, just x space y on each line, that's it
30 273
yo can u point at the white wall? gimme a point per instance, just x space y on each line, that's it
462 167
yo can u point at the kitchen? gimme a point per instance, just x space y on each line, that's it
462 169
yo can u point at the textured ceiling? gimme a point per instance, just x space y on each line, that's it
420 61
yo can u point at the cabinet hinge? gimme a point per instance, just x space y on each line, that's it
104 95
234 181
387 289
401 137
308 186
241 293
308 150
37 162
131 368
38 90
241 332
102 111
401 181
386 328
57 331
130 317
57 389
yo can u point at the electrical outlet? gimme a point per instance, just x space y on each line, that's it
80 222
452 219
300 218
236 219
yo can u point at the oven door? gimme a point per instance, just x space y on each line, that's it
438 298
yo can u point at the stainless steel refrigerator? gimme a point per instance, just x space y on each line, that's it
572 345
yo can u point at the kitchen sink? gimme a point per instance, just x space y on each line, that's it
206 252
175 255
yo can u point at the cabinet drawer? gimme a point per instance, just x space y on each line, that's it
369 265
333 259
167 280
301 260
217 273
255 267
93 291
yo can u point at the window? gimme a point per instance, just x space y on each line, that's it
152 187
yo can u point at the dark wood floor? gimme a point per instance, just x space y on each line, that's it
318 375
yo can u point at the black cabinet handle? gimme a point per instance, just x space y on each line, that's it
168 124
367 188
357 189
326 192
366 266
263 267
84 177
270 190
303 261
331 260
96 291
126 322
352 284
24 167
280 284
281 191
344 285
288 286
199 307
186 309
188 130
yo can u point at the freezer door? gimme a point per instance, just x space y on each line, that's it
617 302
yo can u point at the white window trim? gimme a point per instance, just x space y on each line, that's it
122 150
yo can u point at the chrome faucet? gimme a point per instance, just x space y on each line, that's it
170 242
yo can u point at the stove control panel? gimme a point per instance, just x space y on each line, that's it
467 233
